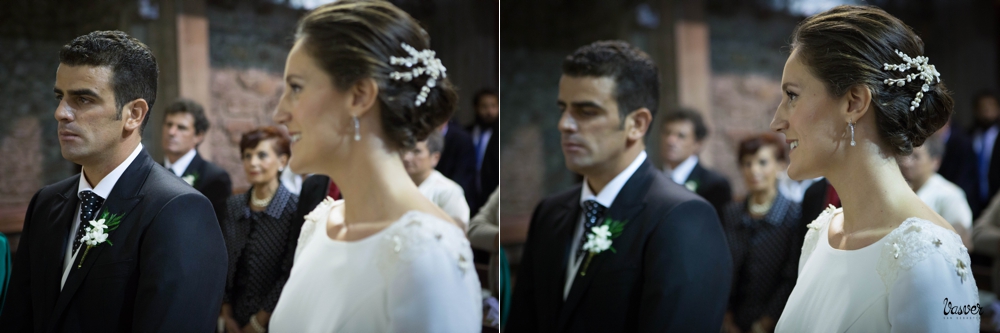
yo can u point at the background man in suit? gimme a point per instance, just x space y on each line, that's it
681 137
184 128
486 140
671 269
958 165
163 268
984 135
458 158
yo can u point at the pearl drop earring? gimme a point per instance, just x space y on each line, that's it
851 125
357 129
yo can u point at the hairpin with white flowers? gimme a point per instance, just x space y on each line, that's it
927 73
431 66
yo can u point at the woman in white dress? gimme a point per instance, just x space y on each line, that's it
361 86
858 95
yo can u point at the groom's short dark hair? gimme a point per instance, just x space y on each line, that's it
637 81
133 66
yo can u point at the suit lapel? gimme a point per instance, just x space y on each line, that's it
627 205
195 168
566 220
124 196
60 220
696 173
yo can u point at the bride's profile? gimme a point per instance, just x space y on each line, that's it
361 85
859 94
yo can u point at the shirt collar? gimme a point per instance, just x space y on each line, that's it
182 163
610 191
683 170
103 188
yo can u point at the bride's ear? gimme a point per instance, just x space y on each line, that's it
363 96
859 98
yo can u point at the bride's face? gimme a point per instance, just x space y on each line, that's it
810 118
313 109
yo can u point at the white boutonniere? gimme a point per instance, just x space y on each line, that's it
190 179
691 185
599 240
97 233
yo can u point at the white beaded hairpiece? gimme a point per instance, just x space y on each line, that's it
431 66
927 73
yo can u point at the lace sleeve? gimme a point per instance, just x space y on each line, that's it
926 271
433 286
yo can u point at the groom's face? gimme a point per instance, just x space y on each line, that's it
89 124
593 138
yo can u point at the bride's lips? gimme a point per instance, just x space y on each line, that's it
792 144
294 136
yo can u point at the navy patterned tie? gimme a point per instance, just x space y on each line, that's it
592 214
90 204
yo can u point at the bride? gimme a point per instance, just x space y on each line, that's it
360 87
858 95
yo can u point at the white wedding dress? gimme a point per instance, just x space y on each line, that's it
416 275
902 283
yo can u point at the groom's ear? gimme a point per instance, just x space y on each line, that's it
859 99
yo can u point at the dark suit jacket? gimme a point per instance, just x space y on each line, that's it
458 160
813 201
712 186
163 270
958 165
671 271
314 191
489 173
211 181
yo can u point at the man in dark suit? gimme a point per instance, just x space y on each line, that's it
670 270
163 267
486 140
184 128
458 158
958 165
682 133
984 137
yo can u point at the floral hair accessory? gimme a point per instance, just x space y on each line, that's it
432 67
927 72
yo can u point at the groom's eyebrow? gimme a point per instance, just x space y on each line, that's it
78 92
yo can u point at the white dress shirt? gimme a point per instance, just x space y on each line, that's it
606 197
182 163
102 189
948 200
446 194
681 173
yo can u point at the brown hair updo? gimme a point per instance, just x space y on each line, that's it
353 40
848 45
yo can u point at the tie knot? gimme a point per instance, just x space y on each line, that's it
593 211
90 198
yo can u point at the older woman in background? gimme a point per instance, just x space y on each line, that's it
764 236
259 235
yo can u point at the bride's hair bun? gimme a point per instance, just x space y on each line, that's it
353 40
849 45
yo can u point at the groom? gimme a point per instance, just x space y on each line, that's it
668 267
163 267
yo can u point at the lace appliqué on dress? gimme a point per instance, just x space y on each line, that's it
914 241
418 232
814 232
317 216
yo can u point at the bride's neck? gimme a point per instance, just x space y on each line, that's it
871 188
374 183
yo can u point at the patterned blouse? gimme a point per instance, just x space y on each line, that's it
765 259
261 247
